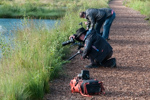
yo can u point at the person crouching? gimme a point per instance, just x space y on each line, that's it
96 48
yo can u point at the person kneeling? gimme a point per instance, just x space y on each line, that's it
96 48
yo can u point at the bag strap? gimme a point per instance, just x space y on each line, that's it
84 94
102 87
81 90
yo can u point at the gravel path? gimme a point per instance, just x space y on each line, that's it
130 39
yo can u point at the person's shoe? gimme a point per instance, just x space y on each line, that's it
91 66
111 63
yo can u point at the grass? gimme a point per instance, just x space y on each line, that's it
37 54
141 5
33 8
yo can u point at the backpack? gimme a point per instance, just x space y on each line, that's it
86 87
92 87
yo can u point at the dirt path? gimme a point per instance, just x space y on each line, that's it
130 39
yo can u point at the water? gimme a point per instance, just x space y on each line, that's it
8 27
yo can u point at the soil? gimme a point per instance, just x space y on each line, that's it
130 39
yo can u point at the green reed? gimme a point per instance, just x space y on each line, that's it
37 55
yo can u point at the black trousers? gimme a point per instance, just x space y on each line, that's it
104 62
107 62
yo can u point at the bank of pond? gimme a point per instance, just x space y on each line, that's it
32 9
36 55
10 26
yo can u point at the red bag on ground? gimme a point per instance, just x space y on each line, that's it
86 87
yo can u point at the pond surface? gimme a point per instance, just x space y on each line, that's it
8 27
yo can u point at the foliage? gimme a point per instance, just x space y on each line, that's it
36 9
141 5
18 10
37 55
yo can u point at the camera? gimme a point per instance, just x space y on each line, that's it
84 75
68 42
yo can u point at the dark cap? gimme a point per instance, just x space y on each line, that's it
79 32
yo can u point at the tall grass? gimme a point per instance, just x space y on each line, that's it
32 9
141 5
37 55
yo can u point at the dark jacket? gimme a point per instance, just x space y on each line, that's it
94 15
96 47
108 11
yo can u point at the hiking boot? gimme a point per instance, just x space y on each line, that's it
92 66
114 63
110 63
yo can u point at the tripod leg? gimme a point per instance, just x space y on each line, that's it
73 56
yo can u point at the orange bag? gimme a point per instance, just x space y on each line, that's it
75 85
86 87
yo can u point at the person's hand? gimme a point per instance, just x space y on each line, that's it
82 58
72 36
85 23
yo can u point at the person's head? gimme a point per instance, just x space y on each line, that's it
82 14
80 34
